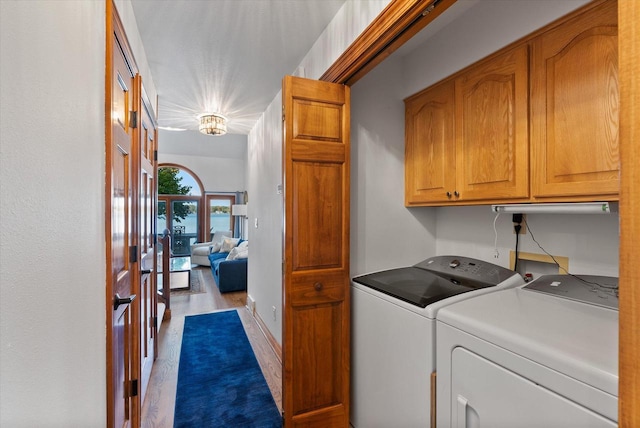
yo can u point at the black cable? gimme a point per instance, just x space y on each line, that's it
517 228
606 287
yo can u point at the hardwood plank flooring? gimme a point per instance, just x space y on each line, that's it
159 403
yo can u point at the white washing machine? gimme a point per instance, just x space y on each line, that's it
541 355
393 334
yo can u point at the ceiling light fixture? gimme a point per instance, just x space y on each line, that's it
213 124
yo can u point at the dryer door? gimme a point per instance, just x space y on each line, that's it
488 395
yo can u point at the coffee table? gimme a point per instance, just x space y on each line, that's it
178 265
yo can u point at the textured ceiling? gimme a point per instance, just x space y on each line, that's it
226 56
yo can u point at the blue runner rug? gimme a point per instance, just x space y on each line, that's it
220 383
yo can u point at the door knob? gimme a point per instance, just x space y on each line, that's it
117 300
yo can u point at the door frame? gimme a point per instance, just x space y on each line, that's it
402 19
114 27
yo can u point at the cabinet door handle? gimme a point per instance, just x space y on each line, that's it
449 195
318 286
456 194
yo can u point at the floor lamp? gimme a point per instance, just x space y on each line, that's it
240 210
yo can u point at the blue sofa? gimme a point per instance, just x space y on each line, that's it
230 275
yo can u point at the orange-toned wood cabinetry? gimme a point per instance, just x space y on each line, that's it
575 107
468 136
430 153
492 138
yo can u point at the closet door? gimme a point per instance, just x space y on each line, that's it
316 254
145 233
123 361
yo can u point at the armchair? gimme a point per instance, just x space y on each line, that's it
200 251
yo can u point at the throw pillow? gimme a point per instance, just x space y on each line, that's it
215 247
243 244
228 244
233 254
243 253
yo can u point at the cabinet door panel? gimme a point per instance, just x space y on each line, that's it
492 142
575 107
430 149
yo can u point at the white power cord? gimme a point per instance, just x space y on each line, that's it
496 254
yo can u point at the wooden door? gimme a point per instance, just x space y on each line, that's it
430 152
316 304
629 347
575 107
145 151
122 361
492 132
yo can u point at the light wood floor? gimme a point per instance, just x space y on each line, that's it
159 403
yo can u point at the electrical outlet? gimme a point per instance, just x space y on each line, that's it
251 305
523 224
273 309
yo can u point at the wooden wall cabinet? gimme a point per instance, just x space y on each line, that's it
467 137
492 132
430 152
575 108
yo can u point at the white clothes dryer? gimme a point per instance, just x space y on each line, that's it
393 334
540 355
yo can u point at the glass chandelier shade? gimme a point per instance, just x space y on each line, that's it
213 124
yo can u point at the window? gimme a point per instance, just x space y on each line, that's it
219 213
179 197
186 212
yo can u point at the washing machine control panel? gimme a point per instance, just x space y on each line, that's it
465 269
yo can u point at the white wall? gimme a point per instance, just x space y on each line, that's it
265 207
384 234
345 27
128 19
216 174
389 235
265 164
224 172
590 241
52 253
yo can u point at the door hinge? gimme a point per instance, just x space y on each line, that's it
155 155
133 254
283 112
154 322
133 119
133 388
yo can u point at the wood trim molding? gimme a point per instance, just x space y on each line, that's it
273 343
108 289
629 347
396 24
